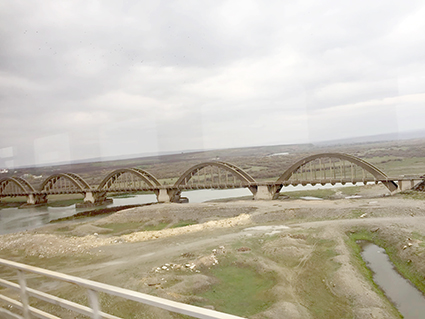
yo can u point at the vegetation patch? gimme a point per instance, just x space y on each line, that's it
123 228
240 289
158 226
350 190
356 213
64 229
394 166
320 193
184 223
411 194
95 212
325 193
314 281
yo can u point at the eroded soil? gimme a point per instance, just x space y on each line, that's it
193 252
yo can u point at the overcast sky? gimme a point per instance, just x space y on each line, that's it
86 79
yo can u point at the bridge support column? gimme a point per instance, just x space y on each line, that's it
405 185
34 199
265 192
89 198
164 195
94 198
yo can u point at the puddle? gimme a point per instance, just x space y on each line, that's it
407 299
311 198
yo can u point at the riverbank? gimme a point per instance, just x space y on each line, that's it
193 253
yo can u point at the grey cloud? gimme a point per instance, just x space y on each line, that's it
196 74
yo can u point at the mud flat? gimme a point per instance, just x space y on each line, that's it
271 259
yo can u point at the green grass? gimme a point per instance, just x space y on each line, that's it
64 229
320 193
159 226
410 194
349 190
53 200
393 165
240 289
129 227
55 263
184 223
18 199
324 193
417 236
92 213
356 213
315 280
123 227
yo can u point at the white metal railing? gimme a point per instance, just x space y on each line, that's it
93 288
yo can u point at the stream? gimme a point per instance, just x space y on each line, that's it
409 301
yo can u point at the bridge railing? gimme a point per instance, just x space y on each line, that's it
93 288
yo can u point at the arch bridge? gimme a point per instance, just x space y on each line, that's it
323 168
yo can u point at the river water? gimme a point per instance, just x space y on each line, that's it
408 300
14 219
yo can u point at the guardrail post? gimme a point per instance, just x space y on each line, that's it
24 295
94 303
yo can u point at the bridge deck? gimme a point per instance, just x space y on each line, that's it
293 182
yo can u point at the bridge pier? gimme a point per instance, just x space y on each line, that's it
94 197
36 199
265 192
165 195
404 185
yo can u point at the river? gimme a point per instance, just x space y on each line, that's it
408 300
14 219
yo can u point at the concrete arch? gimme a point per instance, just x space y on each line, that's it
148 178
236 171
76 180
372 169
19 182
79 179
